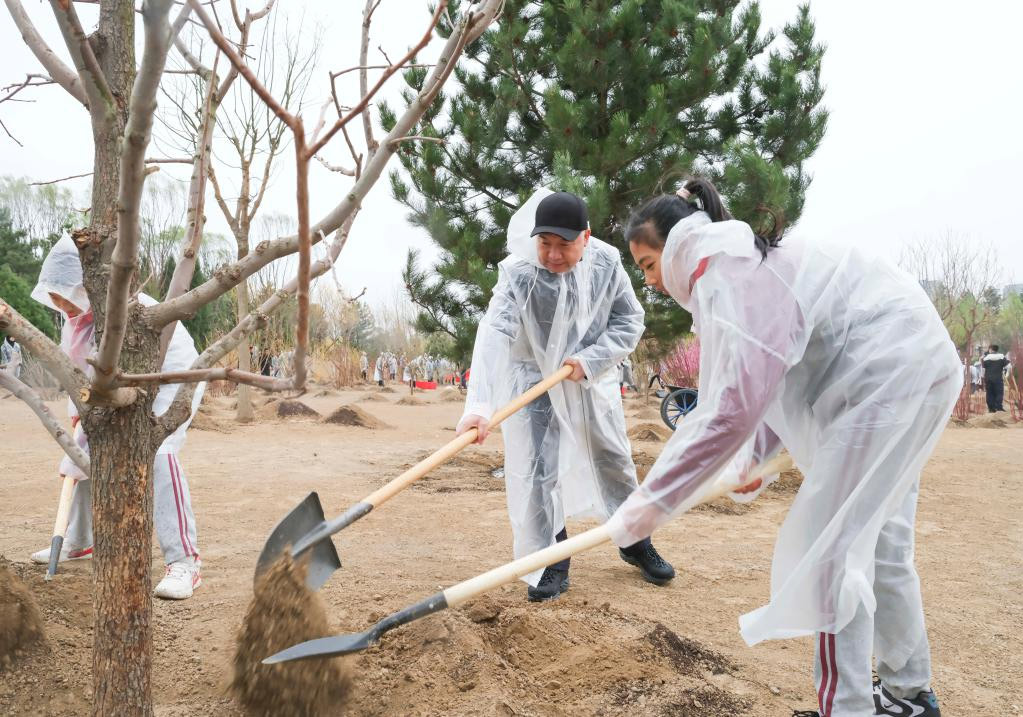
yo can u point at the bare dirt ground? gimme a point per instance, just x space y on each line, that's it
613 645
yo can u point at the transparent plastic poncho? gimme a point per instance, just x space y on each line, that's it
61 274
839 357
566 454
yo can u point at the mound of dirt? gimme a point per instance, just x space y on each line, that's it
386 389
649 432
349 415
1001 419
499 656
473 470
410 401
647 413
21 625
374 398
205 421
284 612
287 410
451 395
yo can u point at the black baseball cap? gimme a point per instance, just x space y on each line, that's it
561 213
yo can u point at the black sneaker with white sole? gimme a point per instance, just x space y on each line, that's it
924 704
553 582
644 556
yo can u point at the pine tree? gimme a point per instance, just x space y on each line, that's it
616 101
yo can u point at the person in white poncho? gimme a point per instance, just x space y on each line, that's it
60 288
562 298
804 345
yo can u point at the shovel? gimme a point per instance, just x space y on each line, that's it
305 529
474 587
60 525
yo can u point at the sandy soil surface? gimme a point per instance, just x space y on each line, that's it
613 645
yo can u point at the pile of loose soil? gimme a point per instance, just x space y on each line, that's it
1000 419
649 432
287 410
374 398
647 413
285 612
386 389
349 415
51 676
21 625
451 395
205 421
471 471
501 656
410 401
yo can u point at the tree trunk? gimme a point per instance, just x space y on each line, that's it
122 503
244 413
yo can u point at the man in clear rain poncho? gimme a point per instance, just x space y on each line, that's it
562 298
804 345
60 288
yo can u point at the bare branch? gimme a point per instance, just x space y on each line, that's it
374 67
31 80
62 179
335 167
470 27
137 133
61 73
101 99
8 133
368 95
34 401
182 160
69 376
416 137
207 374
241 66
185 267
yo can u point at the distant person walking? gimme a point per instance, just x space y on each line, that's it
995 364
10 357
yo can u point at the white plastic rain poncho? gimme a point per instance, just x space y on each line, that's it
806 348
61 274
566 454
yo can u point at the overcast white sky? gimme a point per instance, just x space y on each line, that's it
925 99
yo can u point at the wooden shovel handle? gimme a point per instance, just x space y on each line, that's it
64 506
468 589
386 492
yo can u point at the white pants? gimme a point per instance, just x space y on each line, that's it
172 512
842 661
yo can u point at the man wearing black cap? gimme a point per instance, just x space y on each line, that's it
562 298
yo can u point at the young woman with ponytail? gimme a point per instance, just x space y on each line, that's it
804 345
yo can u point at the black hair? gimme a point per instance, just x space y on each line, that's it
994 348
651 223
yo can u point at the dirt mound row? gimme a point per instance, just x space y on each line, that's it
287 410
374 398
649 432
501 656
349 415
410 401
1000 419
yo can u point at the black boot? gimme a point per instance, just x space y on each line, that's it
644 556
553 582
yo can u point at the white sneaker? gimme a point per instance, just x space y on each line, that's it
181 579
42 557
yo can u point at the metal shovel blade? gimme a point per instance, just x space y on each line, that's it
304 518
326 647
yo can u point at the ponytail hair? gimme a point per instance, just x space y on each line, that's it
651 223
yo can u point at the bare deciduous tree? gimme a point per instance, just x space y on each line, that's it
119 93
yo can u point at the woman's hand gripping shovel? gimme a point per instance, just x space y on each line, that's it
305 529
474 587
